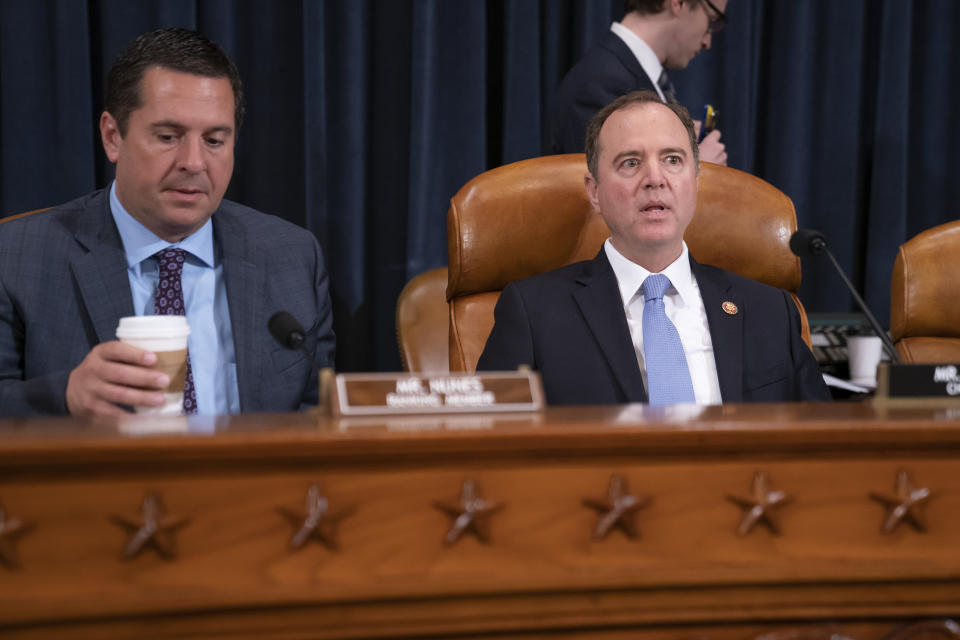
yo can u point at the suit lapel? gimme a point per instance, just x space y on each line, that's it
619 48
245 280
602 308
726 329
101 270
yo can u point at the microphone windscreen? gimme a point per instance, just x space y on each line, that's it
286 330
807 242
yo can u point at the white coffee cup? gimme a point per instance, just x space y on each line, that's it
166 336
864 352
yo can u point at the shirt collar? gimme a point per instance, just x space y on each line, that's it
139 243
630 275
642 52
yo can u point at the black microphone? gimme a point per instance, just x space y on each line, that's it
286 330
808 242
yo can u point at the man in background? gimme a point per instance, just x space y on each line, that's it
174 106
644 321
653 36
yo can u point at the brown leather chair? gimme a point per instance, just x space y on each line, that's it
925 297
532 216
423 319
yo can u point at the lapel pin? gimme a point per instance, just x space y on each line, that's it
730 308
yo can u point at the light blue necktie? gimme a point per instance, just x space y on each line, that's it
668 378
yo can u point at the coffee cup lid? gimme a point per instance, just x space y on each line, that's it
152 326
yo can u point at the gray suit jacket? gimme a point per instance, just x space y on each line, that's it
64 287
569 325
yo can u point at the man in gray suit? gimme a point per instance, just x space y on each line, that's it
67 275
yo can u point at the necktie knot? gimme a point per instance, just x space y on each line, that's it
655 286
169 300
669 93
170 261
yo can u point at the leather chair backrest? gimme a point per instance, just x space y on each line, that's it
532 216
422 323
925 297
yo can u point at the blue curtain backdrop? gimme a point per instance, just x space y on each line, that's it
366 116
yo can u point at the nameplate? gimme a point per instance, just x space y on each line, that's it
923 383
384 394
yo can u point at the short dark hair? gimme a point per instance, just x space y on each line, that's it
176 49
648 7
634 98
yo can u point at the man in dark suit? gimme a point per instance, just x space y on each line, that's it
586 328
67 275
654 35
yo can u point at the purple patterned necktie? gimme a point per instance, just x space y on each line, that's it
169 302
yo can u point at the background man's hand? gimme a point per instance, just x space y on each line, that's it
712 150
114 373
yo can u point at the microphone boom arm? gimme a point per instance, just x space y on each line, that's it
887 343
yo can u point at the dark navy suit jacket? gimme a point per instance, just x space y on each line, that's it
64 287
569 325
605 73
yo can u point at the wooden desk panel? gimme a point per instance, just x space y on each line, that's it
689 574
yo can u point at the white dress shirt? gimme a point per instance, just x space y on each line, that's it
684 307
643 53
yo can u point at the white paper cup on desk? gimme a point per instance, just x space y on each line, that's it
167 337
864 352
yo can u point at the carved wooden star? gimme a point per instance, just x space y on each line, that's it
153 529
904 506
760 507
618 510
317 521
11 529
472 514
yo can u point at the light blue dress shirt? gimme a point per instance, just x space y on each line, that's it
212 356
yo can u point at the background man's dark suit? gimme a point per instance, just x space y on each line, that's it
64 287
605 73
569 324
